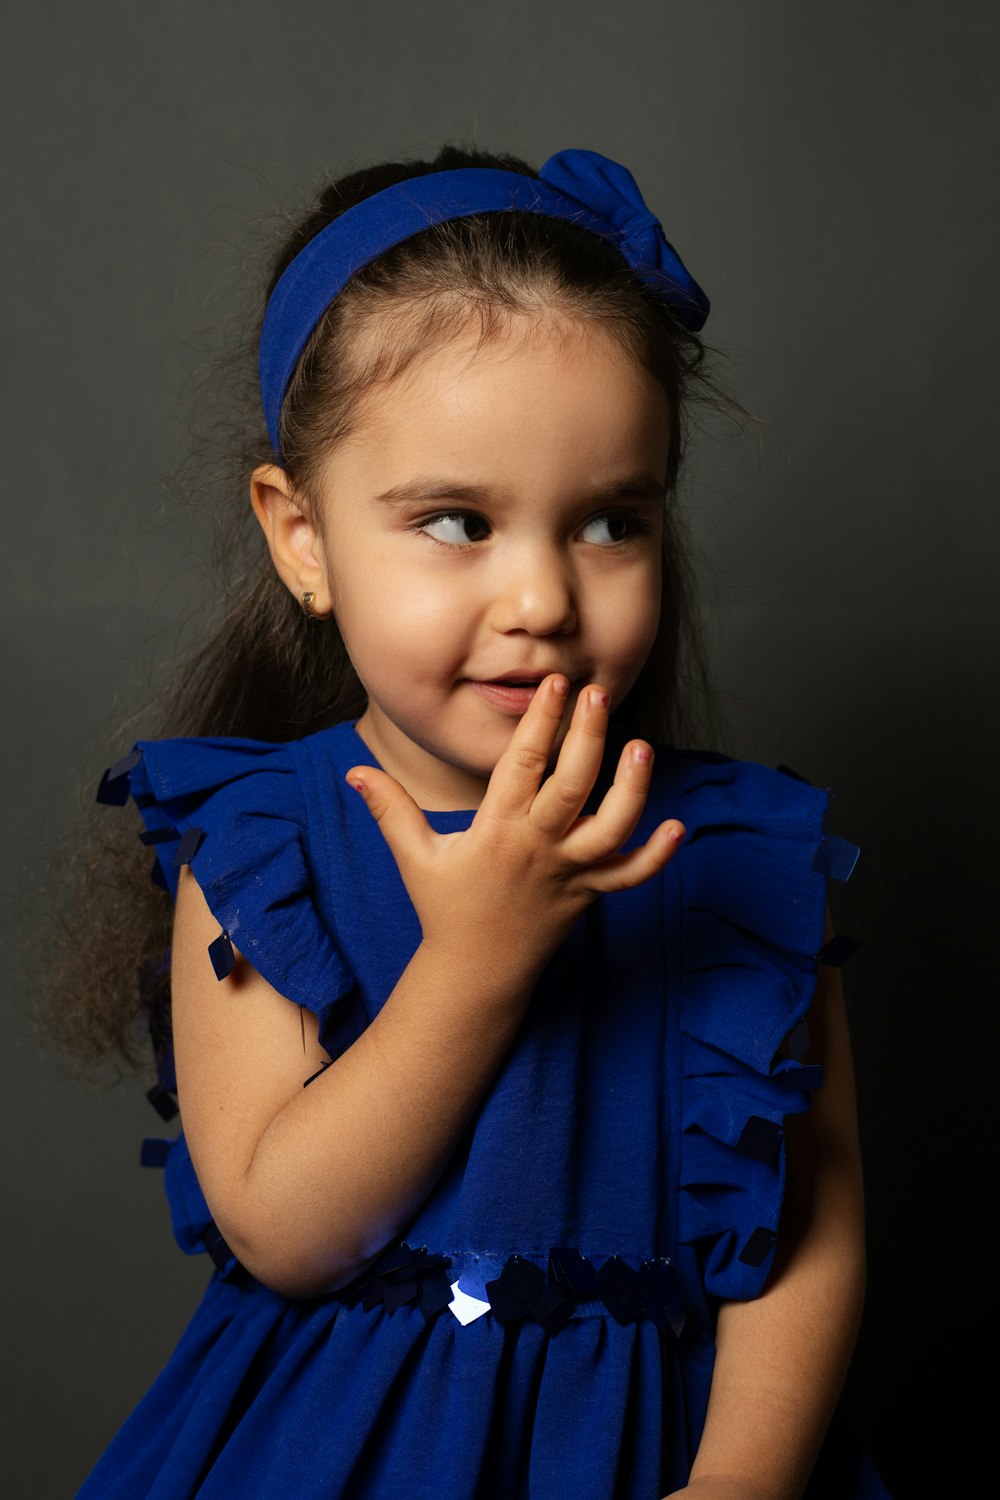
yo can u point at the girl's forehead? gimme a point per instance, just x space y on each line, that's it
469 382
410 355
550 420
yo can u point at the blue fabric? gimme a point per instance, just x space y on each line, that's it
637 1114
582 186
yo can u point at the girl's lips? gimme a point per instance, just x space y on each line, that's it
505 695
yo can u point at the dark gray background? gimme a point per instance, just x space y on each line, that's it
827 171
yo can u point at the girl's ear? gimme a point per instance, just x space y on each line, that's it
294 542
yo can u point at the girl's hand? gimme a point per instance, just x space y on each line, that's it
509 888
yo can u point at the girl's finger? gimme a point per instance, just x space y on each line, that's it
621 808
620 872
559 801
402 824
517 774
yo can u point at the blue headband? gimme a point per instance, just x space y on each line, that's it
582 187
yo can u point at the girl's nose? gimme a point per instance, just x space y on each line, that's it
537 594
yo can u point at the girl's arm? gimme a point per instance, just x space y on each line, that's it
782 1358
308 1185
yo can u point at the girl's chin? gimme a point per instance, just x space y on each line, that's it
446 764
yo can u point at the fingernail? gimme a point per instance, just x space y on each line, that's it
359 786
560 686
641 754
598 697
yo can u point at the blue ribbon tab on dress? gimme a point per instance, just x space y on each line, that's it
795 775
796 1043
216 1246
222 955
313 1076
758 1247
115 785
154 1151
836 857
191 841
158 835
761 1139
838 950
163 1102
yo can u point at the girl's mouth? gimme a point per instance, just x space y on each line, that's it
510 697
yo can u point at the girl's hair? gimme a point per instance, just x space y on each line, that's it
267 673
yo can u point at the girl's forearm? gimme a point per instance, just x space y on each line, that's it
345 1164
780 1365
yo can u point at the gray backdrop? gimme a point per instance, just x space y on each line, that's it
824 170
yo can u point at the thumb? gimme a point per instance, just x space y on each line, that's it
402 824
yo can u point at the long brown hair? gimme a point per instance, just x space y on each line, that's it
266 673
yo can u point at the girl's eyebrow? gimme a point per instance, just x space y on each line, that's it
641 486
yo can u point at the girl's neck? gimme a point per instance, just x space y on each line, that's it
435 785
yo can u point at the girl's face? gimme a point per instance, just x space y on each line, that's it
497 515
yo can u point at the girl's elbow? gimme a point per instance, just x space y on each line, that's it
295 1272
293 1262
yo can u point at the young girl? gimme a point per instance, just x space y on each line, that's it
488 1007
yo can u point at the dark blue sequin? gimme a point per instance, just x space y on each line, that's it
402 1276
572 1273
619 1289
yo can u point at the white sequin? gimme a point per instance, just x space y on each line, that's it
466 1308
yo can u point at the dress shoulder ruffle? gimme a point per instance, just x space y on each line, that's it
234 810
753 873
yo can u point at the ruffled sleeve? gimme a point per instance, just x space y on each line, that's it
234 810
753 871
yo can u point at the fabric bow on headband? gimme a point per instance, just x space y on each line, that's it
609 191
582 187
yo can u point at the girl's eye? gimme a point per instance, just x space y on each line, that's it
456 527
607 531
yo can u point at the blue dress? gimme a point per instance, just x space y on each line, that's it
544 1326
